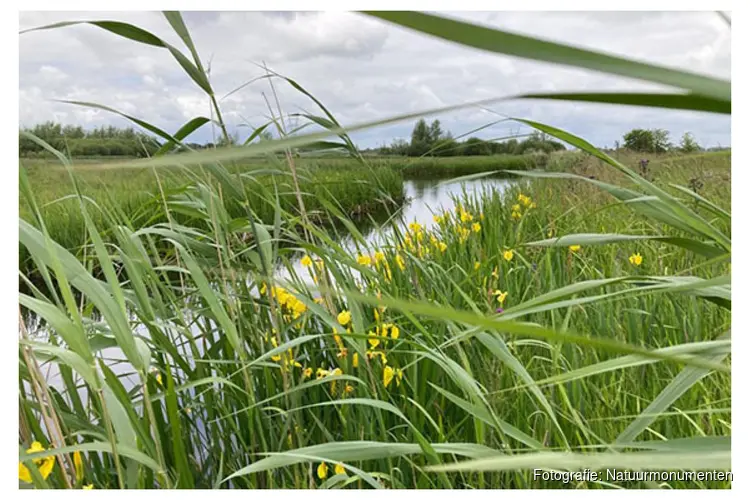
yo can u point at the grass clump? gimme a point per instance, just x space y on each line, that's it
320 374
446 167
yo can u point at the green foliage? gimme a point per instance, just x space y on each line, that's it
142 195
485 384
476 147
688 144
647 141
431 140
538 142
77 142
424 137
436 168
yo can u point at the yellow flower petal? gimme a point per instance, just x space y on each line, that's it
373 340
400 262
78 463
399 376
45 469
364 260
339 469
344 318
45 465
395 332
322 470
388 373
23 473
636 259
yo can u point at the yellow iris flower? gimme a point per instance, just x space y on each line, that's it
636 259
45 465
344 318
390 373
322 470
500 296
364 260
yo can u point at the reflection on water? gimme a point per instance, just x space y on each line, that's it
425 199
430 197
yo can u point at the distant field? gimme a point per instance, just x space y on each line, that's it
141 195
356 190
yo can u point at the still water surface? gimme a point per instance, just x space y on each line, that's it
425 198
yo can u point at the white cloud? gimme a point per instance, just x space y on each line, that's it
361 69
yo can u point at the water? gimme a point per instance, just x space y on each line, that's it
425 198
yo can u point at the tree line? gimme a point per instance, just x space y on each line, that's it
426 140
431 140
657 141
77 141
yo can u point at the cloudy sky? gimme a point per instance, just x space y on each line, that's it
362 69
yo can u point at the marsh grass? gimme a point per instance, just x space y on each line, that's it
142 196
597 358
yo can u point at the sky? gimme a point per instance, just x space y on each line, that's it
362 69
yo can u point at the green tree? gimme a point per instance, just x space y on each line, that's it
647 141
661 138
476 147
688 144
420 139
639 140
538 142
436 132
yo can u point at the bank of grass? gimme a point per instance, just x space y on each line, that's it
446 167
141 195
254 383
358 190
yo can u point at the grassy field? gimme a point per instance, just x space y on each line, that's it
446 167
363 384
141 196
330 186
